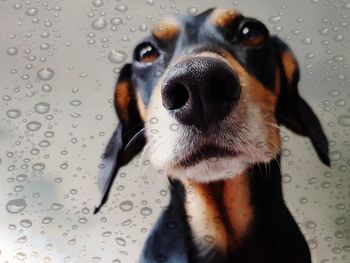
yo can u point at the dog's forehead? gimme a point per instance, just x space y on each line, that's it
170 27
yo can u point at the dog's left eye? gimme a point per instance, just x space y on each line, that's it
252 33
146 53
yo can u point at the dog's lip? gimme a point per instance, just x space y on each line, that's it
205 152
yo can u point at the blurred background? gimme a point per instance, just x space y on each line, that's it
58 63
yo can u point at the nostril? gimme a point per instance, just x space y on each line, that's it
175 97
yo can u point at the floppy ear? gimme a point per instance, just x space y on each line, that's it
292 111
127 140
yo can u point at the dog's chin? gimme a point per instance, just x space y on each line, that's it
209 170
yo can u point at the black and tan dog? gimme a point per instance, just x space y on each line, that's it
206 95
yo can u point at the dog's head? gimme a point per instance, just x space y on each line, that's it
206 94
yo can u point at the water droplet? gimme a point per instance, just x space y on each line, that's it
13 113
126 205
344 120
82 220
340 220
99 117
49 134
192 11
47 220
146 211
98 3
335 156
38 167
116 21
126 222
12 51
16 206
310 55
340 103
6 98
310 224
44 143
346 6
46 88
99 24
324 31
296 32
32 11
325 185
150 2
121 8
17 6
106 234
312 243
33 125
275 19
45 73
42 107
120 241
21 256
340 206
85 210
44 46
25 223
116 56
339 234
338 37
143 28
75 103
21 177
307 41
303 200
22 239
56 206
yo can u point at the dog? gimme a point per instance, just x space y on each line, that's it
206 95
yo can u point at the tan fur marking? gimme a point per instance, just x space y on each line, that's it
289 64
167 29
205 220
266 100
122 99
237 202
223 17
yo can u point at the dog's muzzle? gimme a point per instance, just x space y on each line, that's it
200 91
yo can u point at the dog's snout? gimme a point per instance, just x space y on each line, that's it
200 91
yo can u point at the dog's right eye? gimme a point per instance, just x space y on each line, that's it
146 53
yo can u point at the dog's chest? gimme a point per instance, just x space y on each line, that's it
219 214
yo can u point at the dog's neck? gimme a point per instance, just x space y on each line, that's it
219 213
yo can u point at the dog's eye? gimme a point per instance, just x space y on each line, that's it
146 53
253 33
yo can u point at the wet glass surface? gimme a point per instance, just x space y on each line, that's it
58 65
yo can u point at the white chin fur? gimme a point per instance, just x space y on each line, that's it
209 170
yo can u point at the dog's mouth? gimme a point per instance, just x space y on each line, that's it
207 152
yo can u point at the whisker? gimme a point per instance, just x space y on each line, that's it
135 137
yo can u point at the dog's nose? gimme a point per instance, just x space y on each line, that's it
200 91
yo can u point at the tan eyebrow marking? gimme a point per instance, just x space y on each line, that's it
167 29
223 17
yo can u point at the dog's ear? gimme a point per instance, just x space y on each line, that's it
292 111
127 140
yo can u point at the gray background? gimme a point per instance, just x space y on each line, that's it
58 64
